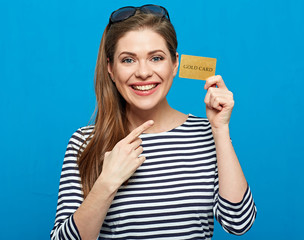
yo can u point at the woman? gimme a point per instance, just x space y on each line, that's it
146 170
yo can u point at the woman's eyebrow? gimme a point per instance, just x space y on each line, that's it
155 51
134 54
127 53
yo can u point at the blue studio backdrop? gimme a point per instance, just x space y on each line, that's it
48 52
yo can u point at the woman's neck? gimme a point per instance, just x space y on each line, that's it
165 118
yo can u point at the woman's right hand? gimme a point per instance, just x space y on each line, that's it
120 163
118 166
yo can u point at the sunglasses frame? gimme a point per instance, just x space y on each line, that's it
111 21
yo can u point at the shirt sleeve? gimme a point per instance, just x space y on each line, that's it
70 195
235 218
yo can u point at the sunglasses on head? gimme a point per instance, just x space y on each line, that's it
124 13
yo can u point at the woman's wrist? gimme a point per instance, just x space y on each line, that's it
105 184
221 131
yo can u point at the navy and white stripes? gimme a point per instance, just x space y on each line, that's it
173 195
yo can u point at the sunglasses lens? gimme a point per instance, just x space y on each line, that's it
122 14
156 10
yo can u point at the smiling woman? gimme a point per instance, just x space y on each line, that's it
145 170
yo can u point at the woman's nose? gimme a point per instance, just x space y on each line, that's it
143 70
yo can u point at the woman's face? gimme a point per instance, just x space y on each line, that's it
142 69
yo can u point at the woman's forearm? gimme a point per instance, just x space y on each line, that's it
232 182
90 215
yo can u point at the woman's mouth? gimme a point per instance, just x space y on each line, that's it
145 90
144 87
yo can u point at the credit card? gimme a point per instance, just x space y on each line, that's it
197 67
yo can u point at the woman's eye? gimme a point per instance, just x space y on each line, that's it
127 60
157 58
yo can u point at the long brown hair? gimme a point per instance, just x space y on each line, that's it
111 123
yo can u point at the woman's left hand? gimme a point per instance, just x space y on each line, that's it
219 102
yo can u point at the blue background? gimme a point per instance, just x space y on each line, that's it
48 52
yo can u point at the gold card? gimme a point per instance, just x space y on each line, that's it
197 67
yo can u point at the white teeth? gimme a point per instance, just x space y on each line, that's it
144 87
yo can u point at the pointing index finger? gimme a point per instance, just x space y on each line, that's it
139 130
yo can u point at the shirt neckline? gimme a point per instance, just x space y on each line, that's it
171 130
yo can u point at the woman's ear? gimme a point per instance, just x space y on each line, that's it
110 71
176 64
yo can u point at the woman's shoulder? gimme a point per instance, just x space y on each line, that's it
82 135
86 130
196 119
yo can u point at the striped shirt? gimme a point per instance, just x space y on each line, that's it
172 195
